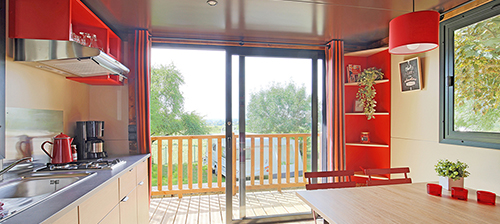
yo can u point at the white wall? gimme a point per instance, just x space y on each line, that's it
415 132
110 104
28 87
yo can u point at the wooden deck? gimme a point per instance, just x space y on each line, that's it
211 208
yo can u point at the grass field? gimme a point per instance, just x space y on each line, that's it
175 175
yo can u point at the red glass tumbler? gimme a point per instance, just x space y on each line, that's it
459 193
434 189
486 197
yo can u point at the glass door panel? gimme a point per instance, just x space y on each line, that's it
272 109
278 133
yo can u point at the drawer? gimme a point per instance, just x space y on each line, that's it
128 209
127 182
142 170
97 207
69 218
113 217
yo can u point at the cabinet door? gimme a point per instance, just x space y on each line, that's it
113 217
143 201
96 207
128 208
142 170
128 182
69 218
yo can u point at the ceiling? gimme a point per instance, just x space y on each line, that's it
360 23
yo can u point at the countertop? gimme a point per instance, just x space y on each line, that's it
56 206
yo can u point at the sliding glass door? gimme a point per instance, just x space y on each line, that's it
273 115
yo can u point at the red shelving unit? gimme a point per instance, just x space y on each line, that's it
377 153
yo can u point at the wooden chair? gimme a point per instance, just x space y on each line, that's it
344 177
388 171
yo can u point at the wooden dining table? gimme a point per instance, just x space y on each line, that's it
401 203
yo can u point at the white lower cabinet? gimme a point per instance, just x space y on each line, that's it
124 201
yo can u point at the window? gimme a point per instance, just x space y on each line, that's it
470 78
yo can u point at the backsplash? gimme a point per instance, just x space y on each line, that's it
26 130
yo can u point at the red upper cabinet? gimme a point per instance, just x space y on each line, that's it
61 20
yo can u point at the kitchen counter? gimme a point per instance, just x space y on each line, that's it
56 206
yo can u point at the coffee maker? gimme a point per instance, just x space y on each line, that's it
89 142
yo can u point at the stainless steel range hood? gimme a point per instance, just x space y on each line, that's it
67 58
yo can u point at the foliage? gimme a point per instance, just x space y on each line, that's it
477 76
280 108
455 171
167 105
366 92
193 124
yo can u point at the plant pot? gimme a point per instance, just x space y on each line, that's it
448 183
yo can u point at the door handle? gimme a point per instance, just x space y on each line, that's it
141 183
125 199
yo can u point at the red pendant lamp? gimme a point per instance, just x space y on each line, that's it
413 33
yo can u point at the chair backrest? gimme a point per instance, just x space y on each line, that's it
374 172
340 174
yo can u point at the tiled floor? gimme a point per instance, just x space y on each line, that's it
211 208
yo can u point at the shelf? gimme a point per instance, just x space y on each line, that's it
361 113
367 145
357 83
102 80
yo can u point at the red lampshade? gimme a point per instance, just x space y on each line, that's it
414 32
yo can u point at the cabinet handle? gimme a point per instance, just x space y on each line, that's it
131 170
125 199
141 183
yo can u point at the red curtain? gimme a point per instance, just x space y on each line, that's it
139 87
335 105
142 53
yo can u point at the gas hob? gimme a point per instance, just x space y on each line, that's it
84 165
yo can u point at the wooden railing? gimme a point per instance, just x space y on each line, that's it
204 146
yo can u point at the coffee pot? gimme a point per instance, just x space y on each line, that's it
61 149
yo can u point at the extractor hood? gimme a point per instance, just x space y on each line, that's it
68 58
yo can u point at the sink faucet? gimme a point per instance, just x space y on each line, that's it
9 167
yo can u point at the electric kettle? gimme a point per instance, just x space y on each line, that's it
61 149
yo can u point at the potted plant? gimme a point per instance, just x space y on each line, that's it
366 92
451 174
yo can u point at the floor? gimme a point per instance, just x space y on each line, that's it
211 208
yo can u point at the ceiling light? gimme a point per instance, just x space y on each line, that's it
414 32
212 2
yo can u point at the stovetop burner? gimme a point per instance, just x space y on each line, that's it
80 165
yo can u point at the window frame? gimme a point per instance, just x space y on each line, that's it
446 70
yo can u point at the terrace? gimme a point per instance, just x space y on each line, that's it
196 189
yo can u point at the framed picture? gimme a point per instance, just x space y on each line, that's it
352 72
410 74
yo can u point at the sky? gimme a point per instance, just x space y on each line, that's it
204 77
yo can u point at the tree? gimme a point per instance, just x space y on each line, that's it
281 108
477 76
167 105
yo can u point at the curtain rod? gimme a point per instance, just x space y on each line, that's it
236 41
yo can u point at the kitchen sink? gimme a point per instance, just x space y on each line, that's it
21 193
